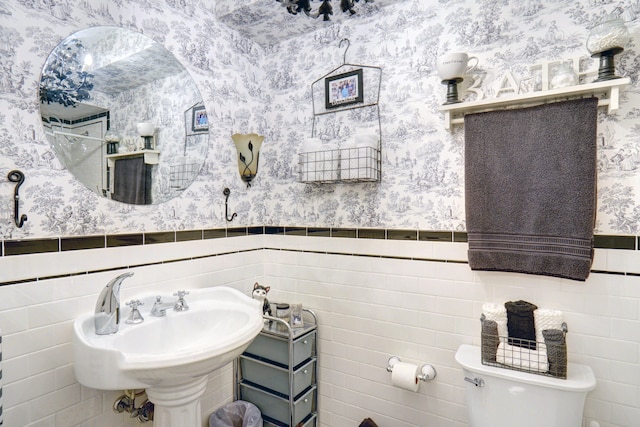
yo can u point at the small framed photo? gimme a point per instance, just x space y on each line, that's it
296 320
343 89
199 121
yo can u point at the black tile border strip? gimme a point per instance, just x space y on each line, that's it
48 245
121 240
80 243
252 231
318 232
237 231
404 235
295 231
615 242
35 246
189 235
159 237
349 233
435 236
214 233
460 237
274 230
372 233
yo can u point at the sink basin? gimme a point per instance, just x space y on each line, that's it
170 356
171 350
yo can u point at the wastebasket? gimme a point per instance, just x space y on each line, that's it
236 414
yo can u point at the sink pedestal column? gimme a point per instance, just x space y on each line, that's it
178 405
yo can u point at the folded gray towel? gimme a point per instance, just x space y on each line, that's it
556 344
521 324
489 340
530 188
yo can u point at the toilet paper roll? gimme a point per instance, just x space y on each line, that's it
405 375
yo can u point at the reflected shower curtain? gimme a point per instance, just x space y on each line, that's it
132 181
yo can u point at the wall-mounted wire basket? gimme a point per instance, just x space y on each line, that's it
548 358
180 176
358 164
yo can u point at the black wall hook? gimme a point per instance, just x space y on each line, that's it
17 177
226 192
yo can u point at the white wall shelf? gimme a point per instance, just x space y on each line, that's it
608 93
151 157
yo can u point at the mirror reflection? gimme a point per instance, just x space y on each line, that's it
123 115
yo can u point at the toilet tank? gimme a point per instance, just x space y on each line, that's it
500 397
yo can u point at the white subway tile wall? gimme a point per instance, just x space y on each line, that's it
40 388
370 307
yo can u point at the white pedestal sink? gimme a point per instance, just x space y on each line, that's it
169 356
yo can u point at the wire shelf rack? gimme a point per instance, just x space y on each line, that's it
180 176
358 164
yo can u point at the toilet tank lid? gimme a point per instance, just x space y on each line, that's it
579 377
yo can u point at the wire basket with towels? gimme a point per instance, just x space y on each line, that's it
520 336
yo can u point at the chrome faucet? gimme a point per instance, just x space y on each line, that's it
159 308
107 315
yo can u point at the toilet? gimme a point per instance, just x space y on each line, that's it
499 397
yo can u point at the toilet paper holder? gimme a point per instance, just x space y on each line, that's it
427 372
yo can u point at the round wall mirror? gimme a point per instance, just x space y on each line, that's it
123 115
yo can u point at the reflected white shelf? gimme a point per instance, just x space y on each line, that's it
607 92
151 157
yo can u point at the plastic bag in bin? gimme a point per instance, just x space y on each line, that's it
237 414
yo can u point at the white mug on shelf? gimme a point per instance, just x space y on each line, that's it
455 65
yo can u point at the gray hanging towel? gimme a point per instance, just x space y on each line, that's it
530 188
132 181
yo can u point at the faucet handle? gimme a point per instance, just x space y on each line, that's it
158 310
181 304
181 294
135 316
134 304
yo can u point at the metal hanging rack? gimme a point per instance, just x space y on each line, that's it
370 74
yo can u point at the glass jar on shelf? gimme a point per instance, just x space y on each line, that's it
112 139
610 33
606 39
563 75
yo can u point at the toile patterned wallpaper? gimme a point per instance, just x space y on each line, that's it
266 88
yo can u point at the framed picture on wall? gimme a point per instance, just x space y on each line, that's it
343 89
200 121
